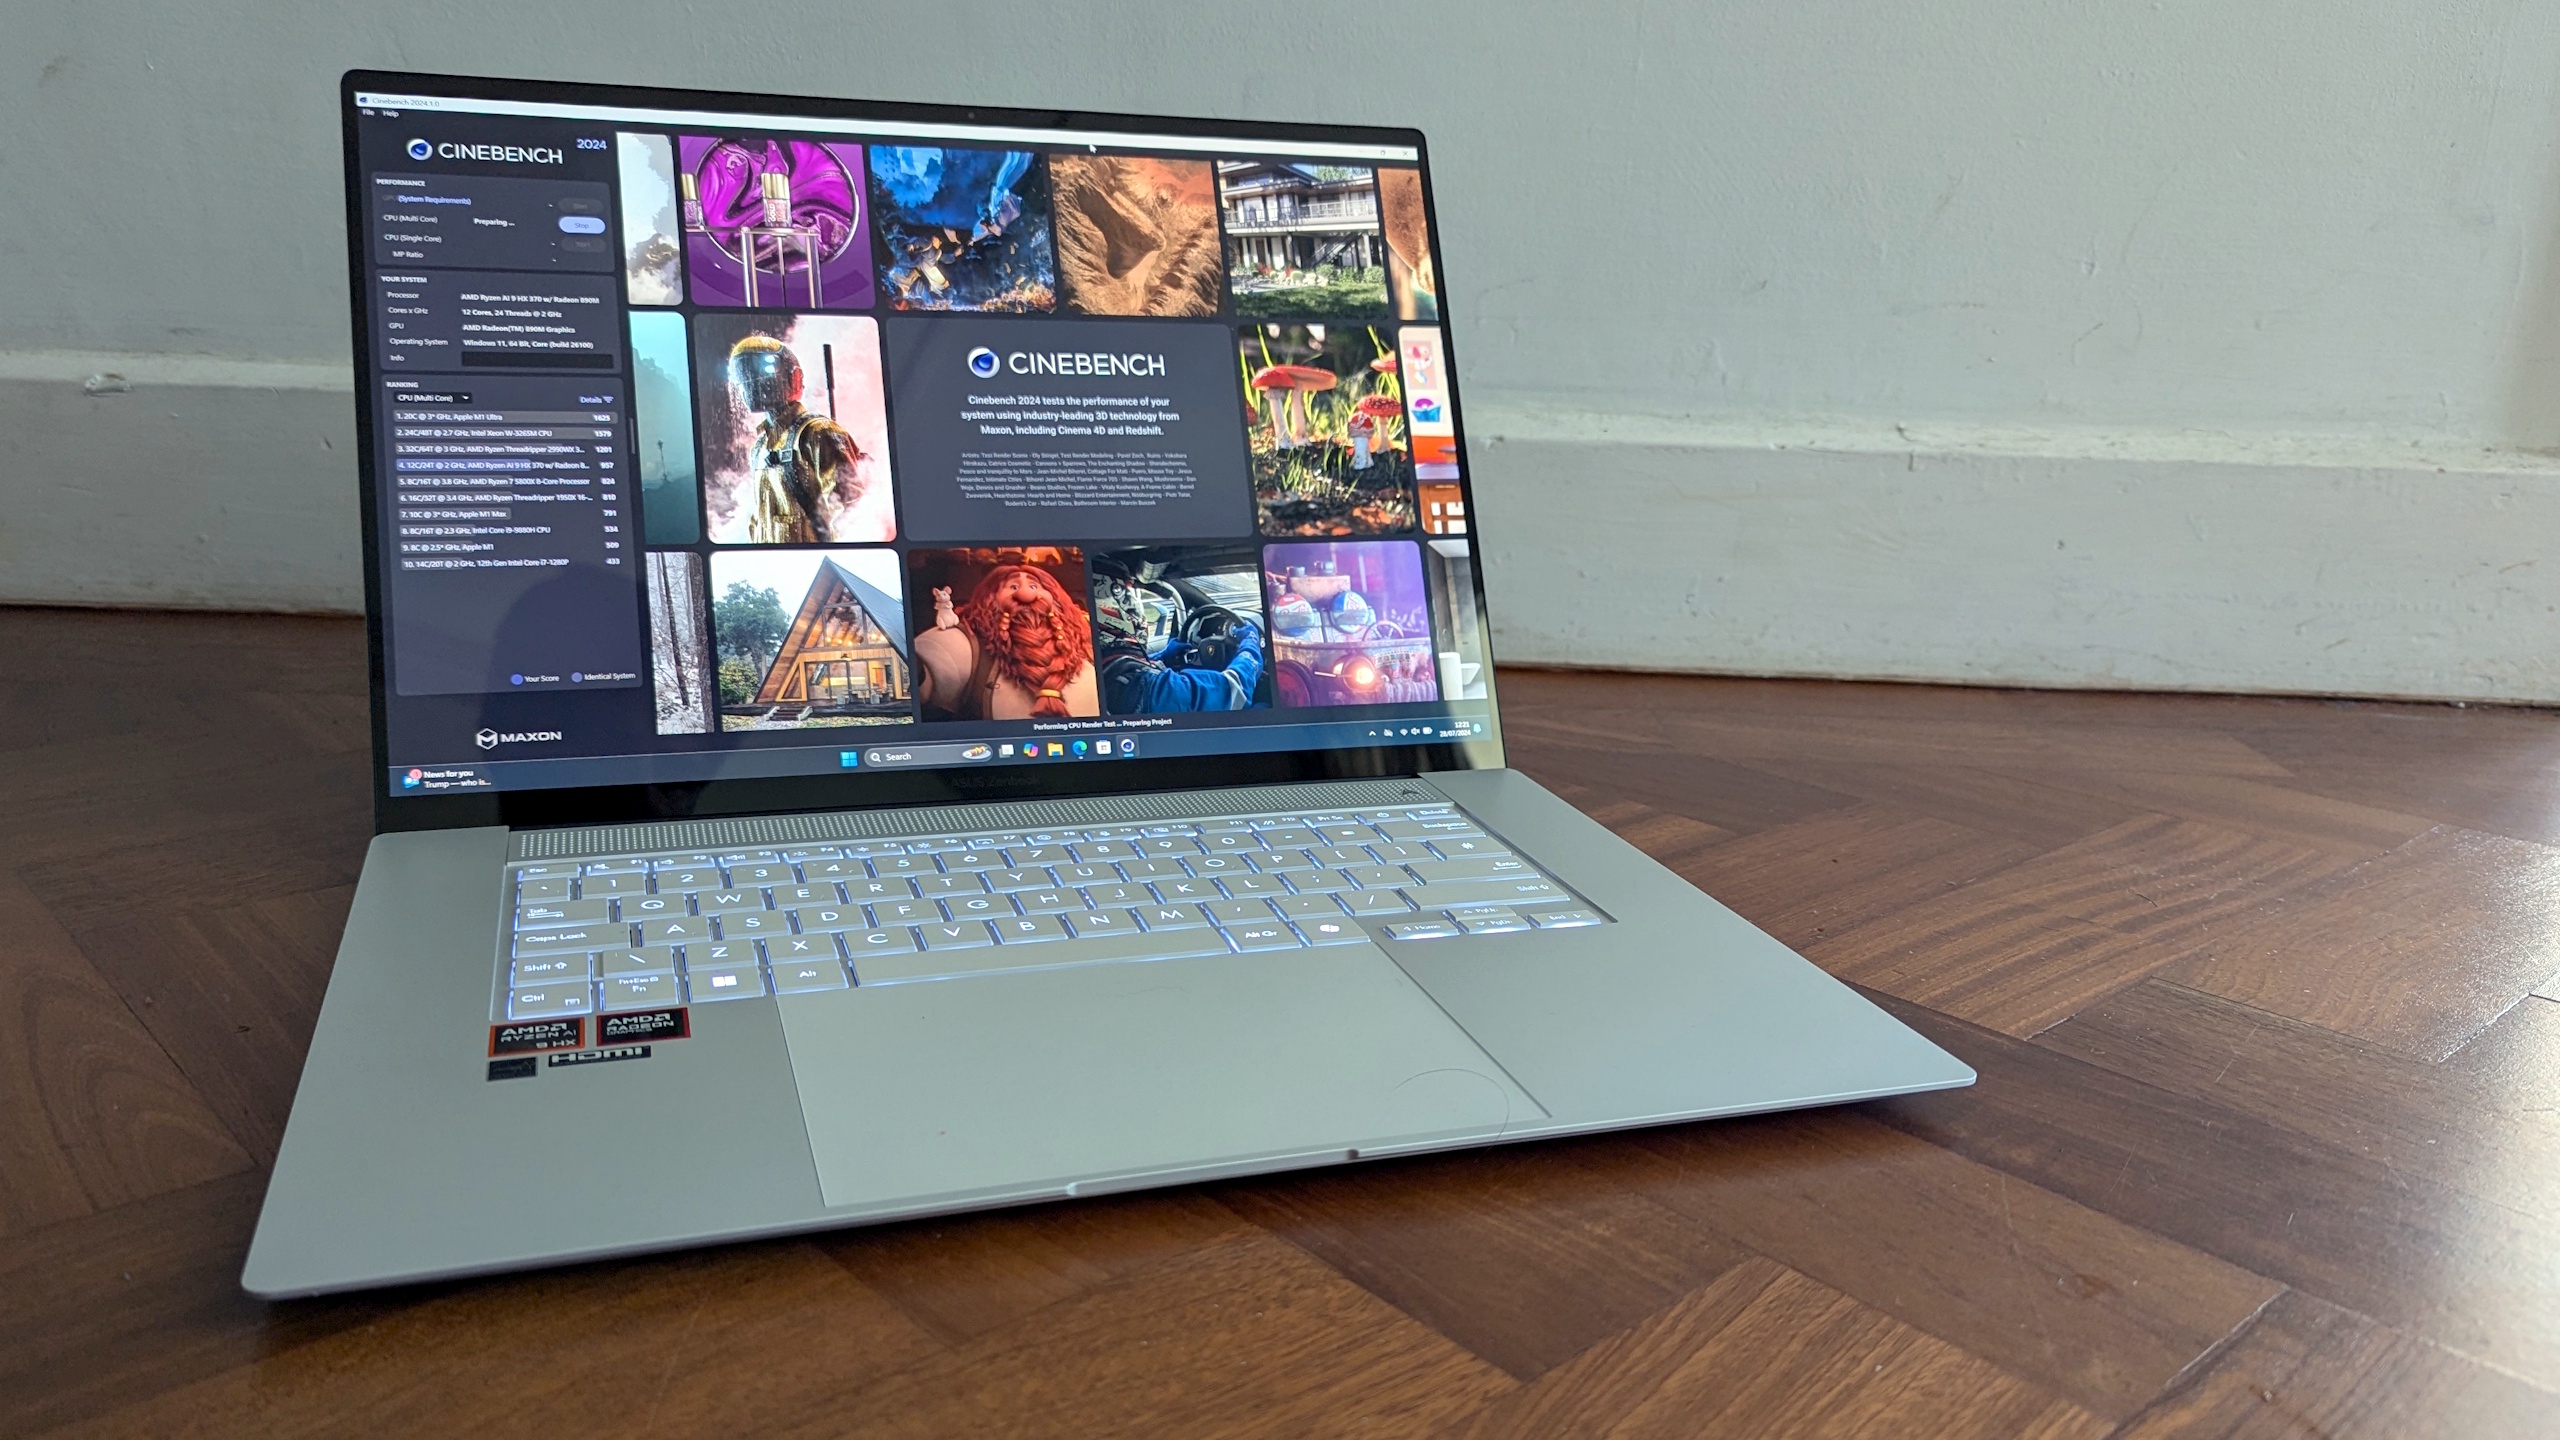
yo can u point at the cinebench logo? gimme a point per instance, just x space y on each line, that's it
491 739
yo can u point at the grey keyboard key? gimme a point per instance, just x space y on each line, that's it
1115 897
721 902
544 1002
1093 850
1216 865
641 992
1234 840
887 865
1301 907
1239 912
1271 936
1337 856
1172 917
978 907
1400 854
1492 924
642 907
1277 861
694 878
863 892
1564 919
1292 837
573 937
674 930
1172 891
1320 882
655 960
1242 886
834 870
1464 913
1048 902
829 919
786 897
904 912
1320 931
1030 929
1484 892
1019 879
1494 867
551 914
957 935
935 886
785 949
1038 857
1375 902
543 889
1154 870
973 860
1421 930
1377 877
1086 874
1098 950
544 872
753 877
597 887
548 969
1427 829
1469 847
808 976
739 984
859 943
1345 832
719 954
1089 923
750 924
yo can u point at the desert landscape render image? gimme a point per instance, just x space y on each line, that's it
1136 236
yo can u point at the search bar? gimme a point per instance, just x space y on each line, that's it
892 757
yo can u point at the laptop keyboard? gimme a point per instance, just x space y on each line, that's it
642 931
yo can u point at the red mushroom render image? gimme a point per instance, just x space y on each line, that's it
1328 431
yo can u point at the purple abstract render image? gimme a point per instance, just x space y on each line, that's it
771 223
1350 624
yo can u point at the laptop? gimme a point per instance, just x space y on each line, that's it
927 658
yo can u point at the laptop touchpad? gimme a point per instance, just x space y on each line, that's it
1033 1080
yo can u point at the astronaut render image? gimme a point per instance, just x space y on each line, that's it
800 459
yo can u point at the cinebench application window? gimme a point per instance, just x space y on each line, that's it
715 446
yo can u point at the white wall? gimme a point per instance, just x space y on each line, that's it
2050 341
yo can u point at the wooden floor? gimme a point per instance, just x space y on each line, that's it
2267 1141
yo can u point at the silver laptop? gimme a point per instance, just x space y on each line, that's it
927 658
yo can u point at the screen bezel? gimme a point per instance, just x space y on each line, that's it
608 804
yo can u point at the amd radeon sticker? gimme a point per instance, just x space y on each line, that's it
638 1025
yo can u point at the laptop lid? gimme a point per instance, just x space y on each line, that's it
727 453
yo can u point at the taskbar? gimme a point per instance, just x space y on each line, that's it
861 749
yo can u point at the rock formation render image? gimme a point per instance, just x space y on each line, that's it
1135 235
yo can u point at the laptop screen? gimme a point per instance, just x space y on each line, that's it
713 445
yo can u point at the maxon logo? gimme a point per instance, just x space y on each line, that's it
982 363
491 739
421 150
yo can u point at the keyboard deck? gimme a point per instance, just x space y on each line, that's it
643 931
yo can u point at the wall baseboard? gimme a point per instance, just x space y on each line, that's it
1822 549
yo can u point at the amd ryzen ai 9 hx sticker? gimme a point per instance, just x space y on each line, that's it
524 1035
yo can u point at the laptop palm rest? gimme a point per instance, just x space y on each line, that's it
1066 1080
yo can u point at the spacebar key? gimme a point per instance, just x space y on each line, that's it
999 959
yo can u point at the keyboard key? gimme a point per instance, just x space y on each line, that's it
1492 924
978 907
1018 879
936 886
1277 861
739 984
1172 917
719 954
1038 857
743 925
1086 874
863 892
1345 833
1161 846
834 870
704 878
1271 936
859 943
785 949
1239 912
788 896
543 1002
674 930
1048 902
1303 907
722 902
1237 840
546 889
807 977
904 912
1470 847
1292 837
757 876
574 937
1331 932
597 887
973 860
1484 892
550 914
1088 923
1241 886
1427 829
1154 870
1029 929
1378 877
885 866
641 992
1564 919
1320 882
1375 902
957 935
642 907
1170 891
1421 930
1464 913
550 969
829 919
1093 850
1399 854
1495 867
622 964
1115 897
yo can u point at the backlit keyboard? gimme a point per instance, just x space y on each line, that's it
633 932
